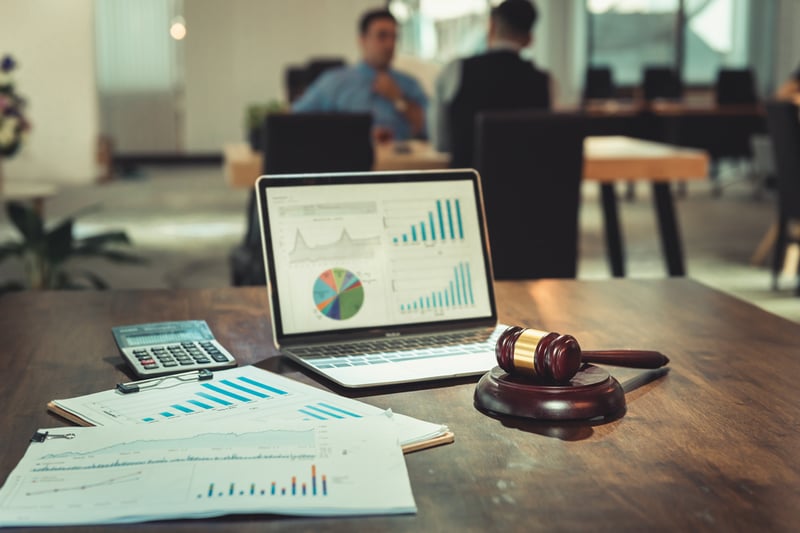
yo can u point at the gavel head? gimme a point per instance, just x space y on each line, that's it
549 357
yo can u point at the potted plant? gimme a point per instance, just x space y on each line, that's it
13 123
254 120
45 252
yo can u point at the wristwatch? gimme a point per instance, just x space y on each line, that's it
401 105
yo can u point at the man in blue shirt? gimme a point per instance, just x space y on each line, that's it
396 100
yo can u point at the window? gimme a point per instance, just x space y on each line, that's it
440 30
697 37
628 35
716 36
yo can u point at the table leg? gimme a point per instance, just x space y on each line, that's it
613 232
668 227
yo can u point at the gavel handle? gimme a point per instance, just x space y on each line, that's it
629 358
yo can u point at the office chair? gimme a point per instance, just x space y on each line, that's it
661 82
295 144
531 164
599 84
317 66
298 79
783 122
735 87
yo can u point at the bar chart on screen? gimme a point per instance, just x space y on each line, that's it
454 293
424 222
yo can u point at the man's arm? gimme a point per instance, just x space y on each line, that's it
406 104
316 97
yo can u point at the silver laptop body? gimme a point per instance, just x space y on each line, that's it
379 278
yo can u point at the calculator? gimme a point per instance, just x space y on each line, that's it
164 348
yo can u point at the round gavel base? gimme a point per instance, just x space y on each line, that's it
590 394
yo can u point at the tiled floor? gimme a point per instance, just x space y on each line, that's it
186 221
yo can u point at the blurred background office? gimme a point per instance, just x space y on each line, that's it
116 85
111 68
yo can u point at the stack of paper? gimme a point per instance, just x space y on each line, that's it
246 393
196 469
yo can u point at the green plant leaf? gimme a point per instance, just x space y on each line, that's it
27 221
101 239
11 248
112 255
58 242
96 281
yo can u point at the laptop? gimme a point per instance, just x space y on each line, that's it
378 278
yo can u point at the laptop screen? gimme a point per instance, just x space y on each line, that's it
367 251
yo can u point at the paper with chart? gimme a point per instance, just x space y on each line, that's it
194 470
245 393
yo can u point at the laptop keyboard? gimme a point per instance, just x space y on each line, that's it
396 350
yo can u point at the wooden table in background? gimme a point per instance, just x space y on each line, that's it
27 191
712 446
611 159
607 160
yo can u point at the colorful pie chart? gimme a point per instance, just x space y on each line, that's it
338 294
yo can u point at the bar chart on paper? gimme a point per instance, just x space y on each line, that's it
310 485
103 475
244 391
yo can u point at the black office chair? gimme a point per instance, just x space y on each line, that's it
735 87
531 163
298 79
783 122
302 143
661 83
317 66
599 84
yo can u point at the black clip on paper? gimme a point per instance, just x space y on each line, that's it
154 383
41 436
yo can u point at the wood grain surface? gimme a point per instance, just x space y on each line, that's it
712 446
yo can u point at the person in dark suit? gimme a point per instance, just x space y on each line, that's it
496 80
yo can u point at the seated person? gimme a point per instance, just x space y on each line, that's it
496 80
396 100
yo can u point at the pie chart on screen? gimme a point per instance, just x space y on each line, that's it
338 294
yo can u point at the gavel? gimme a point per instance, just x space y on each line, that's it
552 357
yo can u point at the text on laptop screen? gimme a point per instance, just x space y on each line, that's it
376 254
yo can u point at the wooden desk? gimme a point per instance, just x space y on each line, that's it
610 159
710 447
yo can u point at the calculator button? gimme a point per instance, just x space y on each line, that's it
139 352
219 358
202 361
169 363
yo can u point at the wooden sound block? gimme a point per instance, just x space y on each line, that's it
590 394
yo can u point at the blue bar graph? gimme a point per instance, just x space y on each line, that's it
216 395
450 225
457 293
326 411
271 488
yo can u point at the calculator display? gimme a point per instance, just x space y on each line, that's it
162 333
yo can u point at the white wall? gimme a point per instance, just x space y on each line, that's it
53 41
236 52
